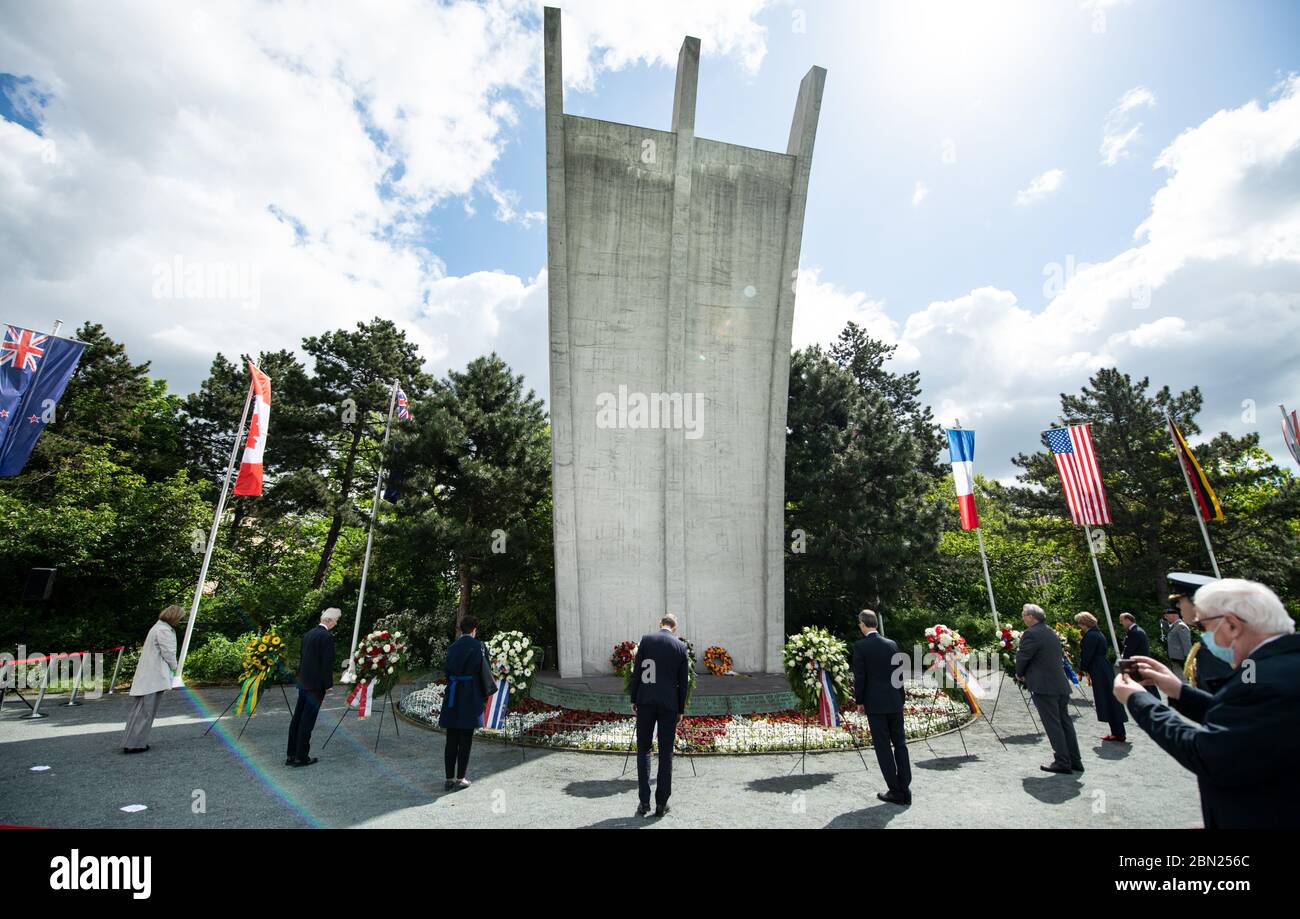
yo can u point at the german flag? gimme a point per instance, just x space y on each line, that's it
1206 500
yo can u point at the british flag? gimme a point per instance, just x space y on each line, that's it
22 348
403 408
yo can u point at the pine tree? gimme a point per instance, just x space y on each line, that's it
860 463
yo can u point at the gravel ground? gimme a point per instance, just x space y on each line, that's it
222 780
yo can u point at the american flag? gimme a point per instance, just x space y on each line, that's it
21 348
1076 461
403 409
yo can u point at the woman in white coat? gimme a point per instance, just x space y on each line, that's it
153 677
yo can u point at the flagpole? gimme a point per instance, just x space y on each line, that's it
984 559
212 536
988 582
1105 604
1187 480
370 537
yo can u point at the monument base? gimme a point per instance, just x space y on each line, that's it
743 694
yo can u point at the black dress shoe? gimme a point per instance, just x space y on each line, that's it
890 797
1077 767
642 810
290 761
1059 770
309 761
661 810
135 749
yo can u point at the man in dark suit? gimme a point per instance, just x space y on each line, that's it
1136 643
659 683
1039 667
315 677
1241 742
878 691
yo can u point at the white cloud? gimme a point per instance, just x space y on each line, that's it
1120 130
311 146
919 193
1209 296
603 35
1043 185
822 310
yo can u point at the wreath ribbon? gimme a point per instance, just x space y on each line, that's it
252 685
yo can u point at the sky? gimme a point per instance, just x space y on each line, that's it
1015 194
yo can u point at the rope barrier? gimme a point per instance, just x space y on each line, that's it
76 686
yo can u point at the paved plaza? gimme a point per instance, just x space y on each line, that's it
221 780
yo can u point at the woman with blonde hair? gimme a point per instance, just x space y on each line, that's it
153 677
1095 661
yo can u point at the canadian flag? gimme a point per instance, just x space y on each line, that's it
250 467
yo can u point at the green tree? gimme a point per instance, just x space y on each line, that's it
354 373
858 477
124 547
475 470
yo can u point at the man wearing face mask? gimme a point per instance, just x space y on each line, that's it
1203 670
1243 742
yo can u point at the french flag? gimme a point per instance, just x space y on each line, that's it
961 449
828 712
494 713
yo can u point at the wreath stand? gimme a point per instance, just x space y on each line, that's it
283 692
631 748
939 694
1023 698
347 707
802 761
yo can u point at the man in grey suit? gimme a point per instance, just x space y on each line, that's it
1038 666
1178 640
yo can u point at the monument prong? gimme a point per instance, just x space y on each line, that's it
807 109
568 624
688 81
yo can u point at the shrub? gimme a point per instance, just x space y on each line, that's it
217 659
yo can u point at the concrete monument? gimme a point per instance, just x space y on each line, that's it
671 267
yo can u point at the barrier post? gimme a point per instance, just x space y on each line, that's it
76 683
35 713
113 680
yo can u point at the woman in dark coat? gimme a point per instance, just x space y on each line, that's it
469 683
1094 661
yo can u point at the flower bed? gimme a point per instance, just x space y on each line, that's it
539 724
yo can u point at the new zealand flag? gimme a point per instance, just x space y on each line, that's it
34 371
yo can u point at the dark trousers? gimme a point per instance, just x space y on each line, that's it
304 719
647 716
456 754
1054 710
1117 726
889 738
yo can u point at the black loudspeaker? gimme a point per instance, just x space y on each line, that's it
40 584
